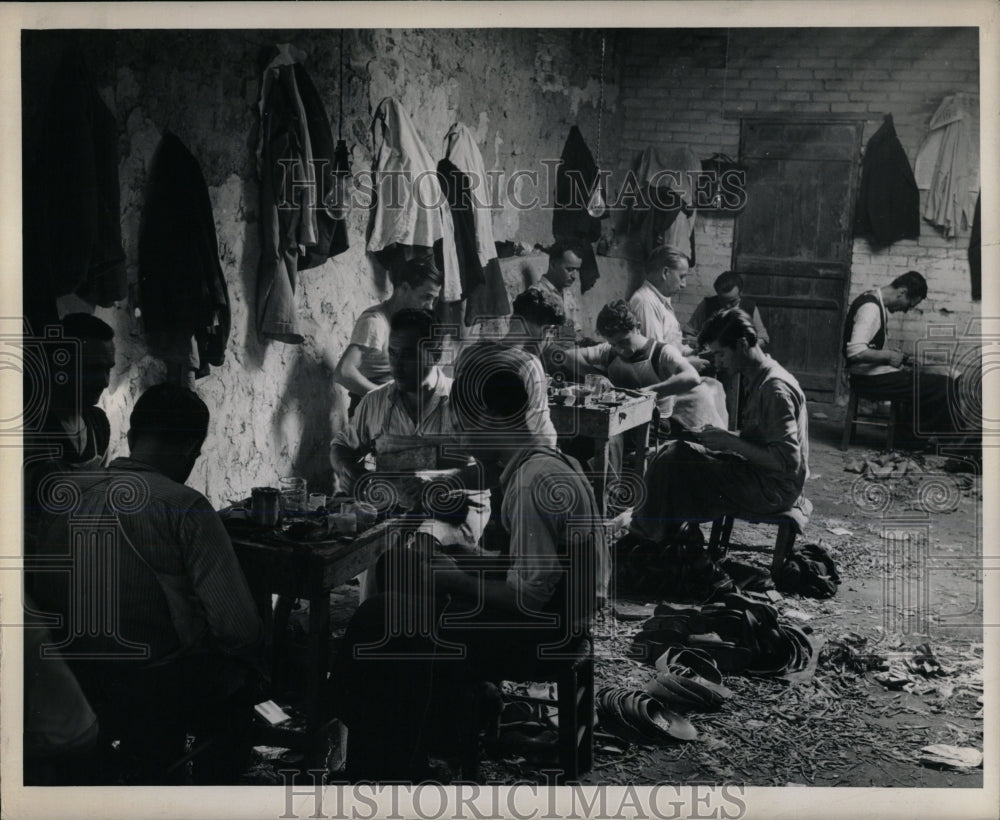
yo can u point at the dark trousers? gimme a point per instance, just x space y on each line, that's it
926 399
405 678
151 711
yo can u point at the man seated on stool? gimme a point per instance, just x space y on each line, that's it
407 693
186 650
728 294
406 425
887 374
761 471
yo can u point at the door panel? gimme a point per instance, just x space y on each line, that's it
793 241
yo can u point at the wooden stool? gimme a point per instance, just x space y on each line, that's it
851 419
790 524
574 679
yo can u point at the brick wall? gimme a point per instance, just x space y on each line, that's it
670 96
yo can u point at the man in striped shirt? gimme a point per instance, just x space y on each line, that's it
175 641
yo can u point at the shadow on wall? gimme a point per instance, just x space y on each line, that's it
309 394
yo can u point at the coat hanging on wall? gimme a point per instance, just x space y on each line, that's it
184 298
72 216
410 214
489 298
576 178
888 207
665 216
296 144
947 167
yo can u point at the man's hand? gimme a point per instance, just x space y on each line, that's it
699 364
715 438
896 358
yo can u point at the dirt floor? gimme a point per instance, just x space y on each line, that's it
907 546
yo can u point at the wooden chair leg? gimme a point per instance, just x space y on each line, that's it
849 418
569 724
890 435
586 710
715 539
783 546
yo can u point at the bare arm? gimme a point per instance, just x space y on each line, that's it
348 374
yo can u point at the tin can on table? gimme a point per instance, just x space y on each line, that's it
265 506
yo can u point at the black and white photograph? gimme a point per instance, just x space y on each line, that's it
499 410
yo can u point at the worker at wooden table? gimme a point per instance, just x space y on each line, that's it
407 668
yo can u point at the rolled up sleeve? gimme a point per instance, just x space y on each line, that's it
866 325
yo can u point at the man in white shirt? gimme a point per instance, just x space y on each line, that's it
878 371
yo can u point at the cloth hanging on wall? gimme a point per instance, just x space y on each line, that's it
668 190
888 207
488 299
947 167
297 166
72 216
976 254
410 208
576 177
185 301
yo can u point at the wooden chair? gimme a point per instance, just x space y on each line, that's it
852 419
574 679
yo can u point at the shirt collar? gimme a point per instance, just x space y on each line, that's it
441 384
664 299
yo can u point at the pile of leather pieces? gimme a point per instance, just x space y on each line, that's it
740 632
688 679
637 717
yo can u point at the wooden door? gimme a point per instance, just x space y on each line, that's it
793 241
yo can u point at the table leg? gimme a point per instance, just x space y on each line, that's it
601 459
319 652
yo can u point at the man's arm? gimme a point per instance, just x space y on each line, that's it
352 444
866 324
348 374
683 375
758 324
219 584
779 451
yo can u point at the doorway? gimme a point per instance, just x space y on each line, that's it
794 240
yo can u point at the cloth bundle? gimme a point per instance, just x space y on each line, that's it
809 571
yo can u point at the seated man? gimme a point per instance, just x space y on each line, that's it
76 434
399 689
762 470
406 425
629 359
728 288
185 648
557 282
878 371
364 365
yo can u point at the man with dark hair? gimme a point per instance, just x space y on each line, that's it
75 434
728 288
564 267
631 360
404 695
185 650
364 365
405 424
73 411
886 373
762 470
